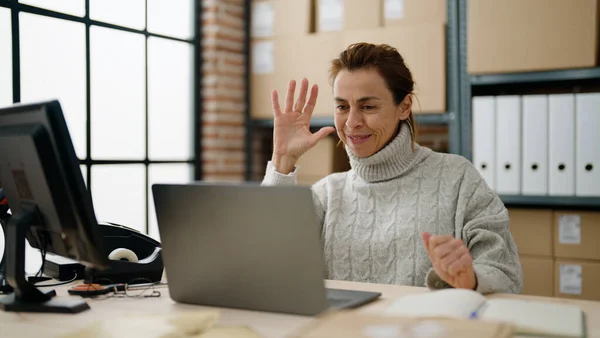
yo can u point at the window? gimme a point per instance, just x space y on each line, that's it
125 75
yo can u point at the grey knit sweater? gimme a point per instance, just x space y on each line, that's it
373 215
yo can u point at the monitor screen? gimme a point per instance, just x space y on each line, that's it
44 188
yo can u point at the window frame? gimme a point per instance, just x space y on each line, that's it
17 7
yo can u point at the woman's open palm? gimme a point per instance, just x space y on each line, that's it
291 133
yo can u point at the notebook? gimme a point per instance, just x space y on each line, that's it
528 317
359 324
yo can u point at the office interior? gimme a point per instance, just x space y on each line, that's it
180 91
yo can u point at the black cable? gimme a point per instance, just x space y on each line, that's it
61 283
43 249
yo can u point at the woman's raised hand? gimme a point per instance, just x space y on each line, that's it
291 133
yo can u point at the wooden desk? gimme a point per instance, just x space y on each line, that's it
266 324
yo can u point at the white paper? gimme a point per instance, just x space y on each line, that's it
262 19
570 279
394 9
447 303
569 229
331 15
262 57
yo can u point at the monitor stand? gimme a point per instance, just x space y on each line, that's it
26 297
5 288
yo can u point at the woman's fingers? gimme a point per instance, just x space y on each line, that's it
312 100
462 264
436 241
446 248
299 106
289 99
321 134
275 103
453 256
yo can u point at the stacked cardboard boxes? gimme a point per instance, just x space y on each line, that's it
532 231
292 39
531 35
577 253
559 252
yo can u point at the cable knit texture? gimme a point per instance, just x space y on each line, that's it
372 217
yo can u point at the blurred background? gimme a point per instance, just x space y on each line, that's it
176 91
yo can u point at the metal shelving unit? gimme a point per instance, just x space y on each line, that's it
500 82
536 77
559 202
449 118
318 122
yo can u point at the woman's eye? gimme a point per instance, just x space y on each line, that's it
340 107
368 107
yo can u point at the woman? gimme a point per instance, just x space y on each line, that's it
403 214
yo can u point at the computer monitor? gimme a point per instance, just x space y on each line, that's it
50 205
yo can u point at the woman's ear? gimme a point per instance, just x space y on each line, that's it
405 107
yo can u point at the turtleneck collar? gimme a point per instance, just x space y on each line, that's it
390 162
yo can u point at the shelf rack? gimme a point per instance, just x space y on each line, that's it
449 118
499 82
460 88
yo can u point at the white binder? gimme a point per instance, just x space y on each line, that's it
535 145
587 137
508 145
484 116
561 144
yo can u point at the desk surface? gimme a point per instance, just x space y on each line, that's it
266 324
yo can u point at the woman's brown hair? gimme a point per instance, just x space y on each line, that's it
390 65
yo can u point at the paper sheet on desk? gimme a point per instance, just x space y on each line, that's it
354 324
182 325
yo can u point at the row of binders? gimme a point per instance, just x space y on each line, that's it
538 144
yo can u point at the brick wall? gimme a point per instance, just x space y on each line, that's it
223 90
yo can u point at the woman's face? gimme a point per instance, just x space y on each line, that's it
366 117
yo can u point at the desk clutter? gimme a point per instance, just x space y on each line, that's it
200 324
453 313
134 258
349 324
445 313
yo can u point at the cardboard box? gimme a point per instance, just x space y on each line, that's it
361 14
293 17
308 180
292 59
532 231
577 234
410 12
338 15
285 18
538 276
532 35
309 57
423 48
323 159
577 279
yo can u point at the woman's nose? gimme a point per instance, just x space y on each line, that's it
354 119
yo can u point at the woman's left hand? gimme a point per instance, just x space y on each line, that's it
451 260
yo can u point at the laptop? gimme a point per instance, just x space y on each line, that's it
246 246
